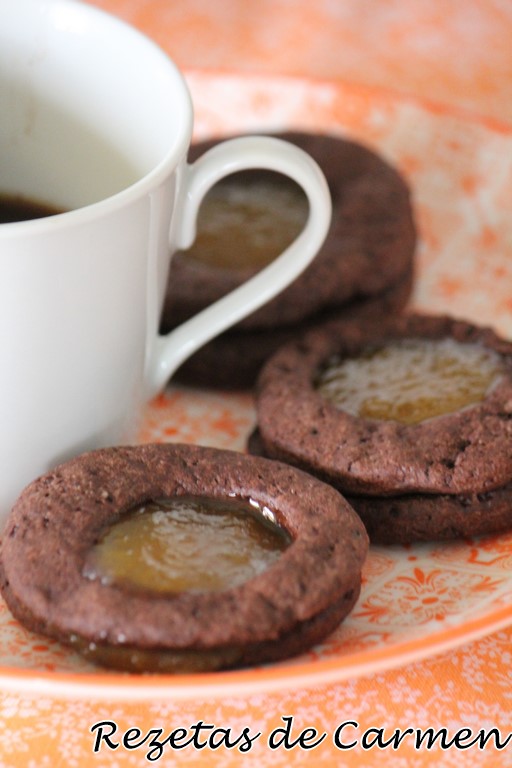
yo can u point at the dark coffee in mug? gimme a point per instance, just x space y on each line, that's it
16 208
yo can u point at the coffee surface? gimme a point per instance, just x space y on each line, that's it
411 380
247 224
187 544
14 208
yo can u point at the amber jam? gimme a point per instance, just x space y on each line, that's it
411 380
189 544
247 224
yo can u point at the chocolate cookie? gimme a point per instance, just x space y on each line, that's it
233 360
426 517
281 611
369 247
460 452
435 517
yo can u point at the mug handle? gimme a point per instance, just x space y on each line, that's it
243 153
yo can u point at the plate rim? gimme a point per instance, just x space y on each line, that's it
104 685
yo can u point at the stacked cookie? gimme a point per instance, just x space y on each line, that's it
411 419
364 269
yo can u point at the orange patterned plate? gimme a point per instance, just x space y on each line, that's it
415 601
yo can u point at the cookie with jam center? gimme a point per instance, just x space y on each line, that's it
64 569
371 438
248 218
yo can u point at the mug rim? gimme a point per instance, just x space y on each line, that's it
152 178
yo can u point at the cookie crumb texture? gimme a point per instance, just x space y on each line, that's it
281 612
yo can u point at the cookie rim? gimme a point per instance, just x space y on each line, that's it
419 518
416 518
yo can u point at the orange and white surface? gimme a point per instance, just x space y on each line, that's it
429 645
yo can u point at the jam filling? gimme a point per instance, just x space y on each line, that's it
243 224
191 544
411 380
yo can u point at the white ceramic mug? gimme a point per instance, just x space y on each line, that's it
96 120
